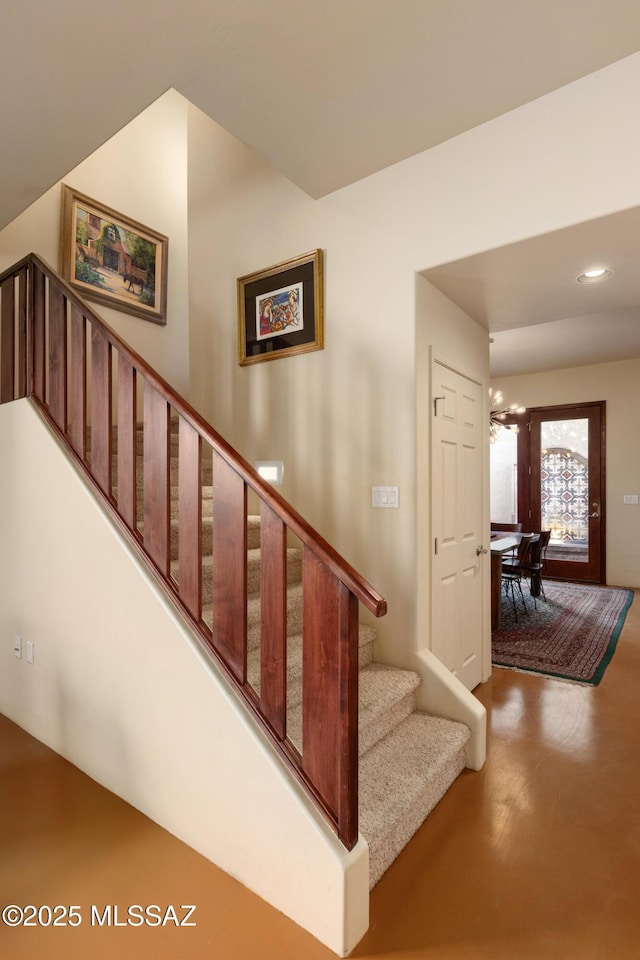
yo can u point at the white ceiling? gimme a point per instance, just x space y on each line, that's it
328 92
526 295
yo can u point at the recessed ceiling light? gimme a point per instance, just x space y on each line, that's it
595 275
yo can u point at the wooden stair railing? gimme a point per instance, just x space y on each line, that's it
85 379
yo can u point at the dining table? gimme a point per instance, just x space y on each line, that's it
505 542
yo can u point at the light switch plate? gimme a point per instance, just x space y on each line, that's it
385 497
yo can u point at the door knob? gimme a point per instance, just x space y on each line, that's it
481 550
594 516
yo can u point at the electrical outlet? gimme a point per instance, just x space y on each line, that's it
30 651
17 647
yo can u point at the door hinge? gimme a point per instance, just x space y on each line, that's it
435 405
529 471
435 545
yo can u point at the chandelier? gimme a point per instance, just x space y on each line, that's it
498 412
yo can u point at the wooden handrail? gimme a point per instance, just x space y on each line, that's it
52 363
310 537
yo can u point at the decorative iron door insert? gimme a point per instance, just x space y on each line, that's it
565 489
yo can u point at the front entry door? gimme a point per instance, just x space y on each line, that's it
566 492
457 569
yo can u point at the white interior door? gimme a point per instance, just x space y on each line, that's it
458 570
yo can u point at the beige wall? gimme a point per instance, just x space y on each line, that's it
142 173
619 385
341 419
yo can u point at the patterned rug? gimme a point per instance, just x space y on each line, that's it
572 636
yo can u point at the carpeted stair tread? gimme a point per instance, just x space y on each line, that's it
402 778
253 531
394 690
253 534
172 462
294 571
387 696
207 501
294 614
366 636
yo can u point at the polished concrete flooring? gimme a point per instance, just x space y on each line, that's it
536 856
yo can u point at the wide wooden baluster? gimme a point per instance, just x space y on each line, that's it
101 381
156 477
330 693
77 412
7 341
39 299
273 608
127 442
22 332
58 357
230 566
190 518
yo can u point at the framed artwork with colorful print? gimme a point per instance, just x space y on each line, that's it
280 310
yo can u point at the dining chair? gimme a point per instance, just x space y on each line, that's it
498 527
513 571
533 565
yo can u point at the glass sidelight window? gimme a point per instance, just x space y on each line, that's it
504 477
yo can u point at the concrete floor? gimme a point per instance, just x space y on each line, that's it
536 857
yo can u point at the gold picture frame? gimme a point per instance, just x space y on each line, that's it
113 259
280 310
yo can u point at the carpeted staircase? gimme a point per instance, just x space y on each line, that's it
408 759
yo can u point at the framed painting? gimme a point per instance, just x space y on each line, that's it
280 310
112 259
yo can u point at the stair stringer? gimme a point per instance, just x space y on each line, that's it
123 690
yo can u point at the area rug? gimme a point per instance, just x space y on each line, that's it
572 635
